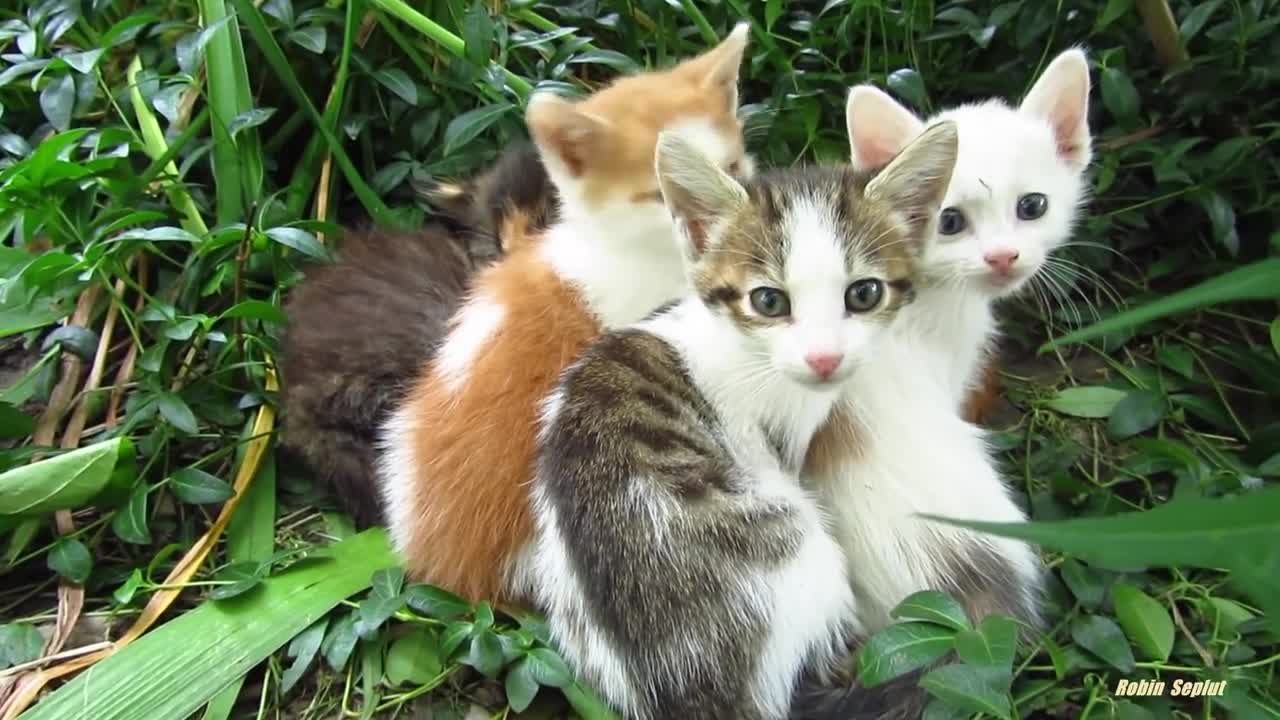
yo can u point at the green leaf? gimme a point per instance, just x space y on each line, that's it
1256 281
70 559
1084 582
1119 94
1196 19
520 686
19 643
174 409
238 579
256 310
250 118
1088 401
398 82
909 85
340 642
1275 335
160 234
467 126
477 34
1114 10
485 654
81 342
300 240
66 481
173 670
971 688
387 582
303 649
772 11
1138 412
992 645
548 668
123 595
1102 637
901 648
376 610
436 603
1144 620
311 39
609 58
57 101
932 606
130 522
83 62
199 487
413 658
14 423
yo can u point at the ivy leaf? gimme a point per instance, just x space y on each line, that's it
388 582
1145 621
177 412
972 688
413 658
199 487
901 648
436 603
485 654
340 642
1138 412
1089 401
303 649
130 522
1085 583
398 82
935 607
300 240
1119 94
19 643
70 559
1102 637
57 101
520 685
548 668
83 62
992 645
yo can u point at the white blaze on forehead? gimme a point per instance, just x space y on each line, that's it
815 273
718 147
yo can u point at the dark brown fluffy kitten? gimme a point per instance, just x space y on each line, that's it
360 328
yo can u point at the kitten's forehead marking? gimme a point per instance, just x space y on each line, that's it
814 249
707 138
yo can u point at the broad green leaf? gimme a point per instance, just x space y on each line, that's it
14 423
300 240
901 648
436 603
130 522
388 582
485 654
609 58
1119 94
520 686
1144 620
1114 10
549 668
238 578
160 234
19 643
398 82
1196 19
311 39
1102 637
1257 281
991 645
932 606
909 85
249 119
467 126
57 101
303 649
477 34
67 481
70 559
340 642
969 687
413 658
1083 582
123 595
199 487
174 409
1138 412
1088 401
170 672
376 610
81 342
256 310
83 62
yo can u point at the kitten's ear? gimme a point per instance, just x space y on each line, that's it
1061 96
566 136
878 127
697 192
718 68
915 182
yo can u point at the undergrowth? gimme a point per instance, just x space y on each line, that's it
166 169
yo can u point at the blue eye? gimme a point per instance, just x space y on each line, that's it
951 221
770 302
863 295
1032 206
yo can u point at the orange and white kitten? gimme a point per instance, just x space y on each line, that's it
459 452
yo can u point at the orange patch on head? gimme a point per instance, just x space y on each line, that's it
473 449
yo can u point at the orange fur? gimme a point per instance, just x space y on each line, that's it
472 448
981 403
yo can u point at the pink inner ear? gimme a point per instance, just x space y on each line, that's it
876 152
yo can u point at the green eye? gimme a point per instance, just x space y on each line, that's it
863 295
770 302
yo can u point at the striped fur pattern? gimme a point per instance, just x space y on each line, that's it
684 570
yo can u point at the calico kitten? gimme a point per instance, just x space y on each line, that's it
459 453
1017 184
684 570
360 328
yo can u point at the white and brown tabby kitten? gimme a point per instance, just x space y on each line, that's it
684 570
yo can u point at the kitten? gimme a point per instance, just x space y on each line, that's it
685 572
897 447
459 453
360 328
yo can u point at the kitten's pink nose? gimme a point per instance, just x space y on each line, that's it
823 364
1001 260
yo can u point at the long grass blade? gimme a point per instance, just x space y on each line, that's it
237 161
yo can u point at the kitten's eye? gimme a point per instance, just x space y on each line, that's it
770 302
863 295
951 221
1032 206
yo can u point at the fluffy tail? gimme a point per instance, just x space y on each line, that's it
359 329
899 699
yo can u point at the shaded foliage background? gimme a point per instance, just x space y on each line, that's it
167 168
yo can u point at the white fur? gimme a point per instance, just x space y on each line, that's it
397 469
474 324
917 456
